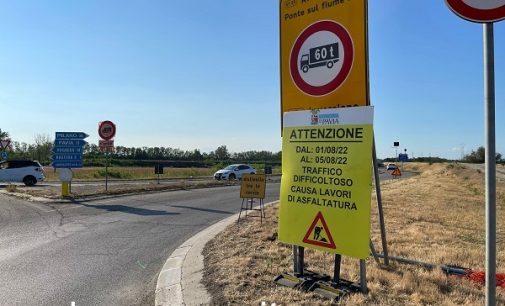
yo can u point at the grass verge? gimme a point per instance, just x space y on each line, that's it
437 217
92 173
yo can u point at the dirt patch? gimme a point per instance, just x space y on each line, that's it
437 217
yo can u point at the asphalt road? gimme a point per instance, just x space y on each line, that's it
103 252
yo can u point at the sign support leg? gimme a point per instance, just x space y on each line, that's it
489 99
379 205
374 253
298 253
336 271
241 208
106 171
362 276
295 259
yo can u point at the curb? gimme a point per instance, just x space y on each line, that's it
179 279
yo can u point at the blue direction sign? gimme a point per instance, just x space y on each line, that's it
69 143
68 157
403 157
67 164
71 135
67 149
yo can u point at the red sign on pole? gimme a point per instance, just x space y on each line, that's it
106 130
308 53
478 10
5 143
106 145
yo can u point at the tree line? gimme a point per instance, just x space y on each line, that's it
42 147
479 156
41 150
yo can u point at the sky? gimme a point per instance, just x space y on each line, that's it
201 74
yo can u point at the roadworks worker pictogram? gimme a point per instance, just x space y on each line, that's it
319 234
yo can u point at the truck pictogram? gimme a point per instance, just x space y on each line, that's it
325 55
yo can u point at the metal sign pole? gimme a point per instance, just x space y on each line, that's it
362 276
489 100
301 259
336 270
379 205
106 170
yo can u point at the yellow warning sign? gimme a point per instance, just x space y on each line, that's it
253 186
323 50
326 180
396 172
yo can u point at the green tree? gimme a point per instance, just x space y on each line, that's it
479 156
3 135
222 153
42 150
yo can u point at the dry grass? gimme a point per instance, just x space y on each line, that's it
437 217
11 188
88 173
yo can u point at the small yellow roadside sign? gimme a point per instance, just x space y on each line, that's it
253 186
323 50
326 180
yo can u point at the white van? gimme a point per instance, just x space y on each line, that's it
25 171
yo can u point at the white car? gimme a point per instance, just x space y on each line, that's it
234 172
25 171
391 166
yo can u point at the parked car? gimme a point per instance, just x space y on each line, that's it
234 172
391 167
26 171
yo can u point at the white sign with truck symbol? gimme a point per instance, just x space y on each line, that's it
326 55
321 58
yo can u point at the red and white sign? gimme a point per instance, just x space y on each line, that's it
319 233
5 143
106 130
106 145
321 58
478 10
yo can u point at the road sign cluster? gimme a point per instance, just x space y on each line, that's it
106 131
68 149
5 143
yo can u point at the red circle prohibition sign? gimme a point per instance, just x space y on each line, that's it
347 44
107 130
466 11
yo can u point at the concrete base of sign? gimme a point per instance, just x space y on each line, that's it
320 284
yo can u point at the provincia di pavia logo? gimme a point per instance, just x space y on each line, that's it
317 118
